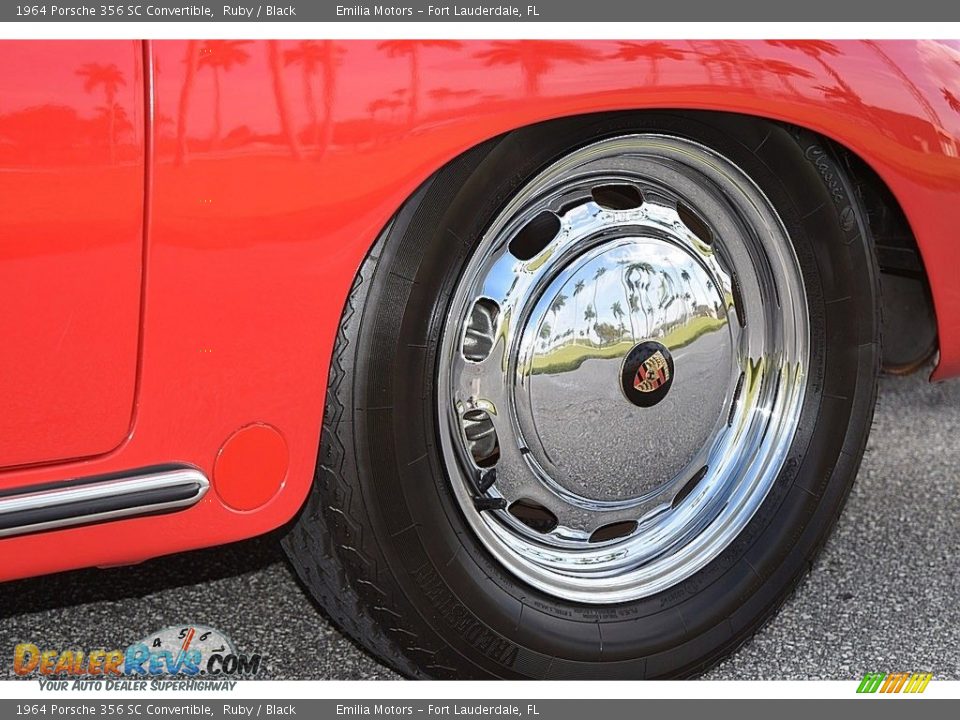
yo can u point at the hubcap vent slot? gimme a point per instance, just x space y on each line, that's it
613 531
617 197
534 515
694 224
534 237
481 330
481 437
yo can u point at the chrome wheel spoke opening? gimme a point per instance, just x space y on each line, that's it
622 369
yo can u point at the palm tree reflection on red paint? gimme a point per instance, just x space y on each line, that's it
115 118
442 95
388 104
110 78
221 55
535 58
719 59
653 51
819 50
782 70
952 100
412 48
908 83
186 92
280 96
313 56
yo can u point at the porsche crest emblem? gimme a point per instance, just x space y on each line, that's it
652 373
647 374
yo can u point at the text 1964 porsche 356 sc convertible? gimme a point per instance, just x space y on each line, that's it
556 359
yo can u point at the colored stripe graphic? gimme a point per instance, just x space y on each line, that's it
913 683
918 683
871 682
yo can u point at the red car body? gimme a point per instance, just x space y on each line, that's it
181 221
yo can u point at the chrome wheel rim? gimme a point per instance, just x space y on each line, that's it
622 368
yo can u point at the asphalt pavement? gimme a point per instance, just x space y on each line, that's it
884 595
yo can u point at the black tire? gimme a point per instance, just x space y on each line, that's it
381 542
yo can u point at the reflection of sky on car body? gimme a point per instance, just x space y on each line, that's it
450 76
329 90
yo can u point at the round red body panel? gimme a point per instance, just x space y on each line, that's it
251 467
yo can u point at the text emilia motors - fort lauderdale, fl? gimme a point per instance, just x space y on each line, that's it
437 11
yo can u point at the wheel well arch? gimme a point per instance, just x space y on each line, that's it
909 314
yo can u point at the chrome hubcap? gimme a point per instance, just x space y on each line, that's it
622 368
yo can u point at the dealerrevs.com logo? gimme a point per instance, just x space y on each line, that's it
184 657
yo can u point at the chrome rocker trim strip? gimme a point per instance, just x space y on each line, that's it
98 499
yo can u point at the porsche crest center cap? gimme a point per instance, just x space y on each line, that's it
647 374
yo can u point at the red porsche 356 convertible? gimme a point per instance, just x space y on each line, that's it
556 359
